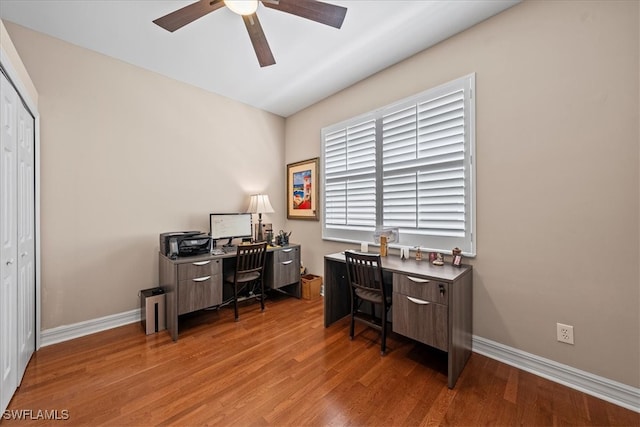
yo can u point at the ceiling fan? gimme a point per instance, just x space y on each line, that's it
317 11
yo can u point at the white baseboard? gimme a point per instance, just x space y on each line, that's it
600 387
77 330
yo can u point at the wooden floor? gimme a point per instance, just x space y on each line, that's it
281 367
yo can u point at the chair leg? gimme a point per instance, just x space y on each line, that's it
383 343
353 318
235 300
261 295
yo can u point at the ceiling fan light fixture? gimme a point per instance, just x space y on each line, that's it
314 10
242 7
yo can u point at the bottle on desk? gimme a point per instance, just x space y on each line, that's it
418 253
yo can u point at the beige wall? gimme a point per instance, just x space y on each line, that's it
557 174
125 155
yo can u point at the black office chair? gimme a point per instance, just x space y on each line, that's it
250 261
364 272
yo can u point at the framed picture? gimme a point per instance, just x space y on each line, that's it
457 260
302 190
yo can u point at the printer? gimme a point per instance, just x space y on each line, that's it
184 243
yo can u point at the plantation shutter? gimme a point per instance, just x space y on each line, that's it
350 178
409 165
423 167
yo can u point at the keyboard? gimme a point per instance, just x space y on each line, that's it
224 250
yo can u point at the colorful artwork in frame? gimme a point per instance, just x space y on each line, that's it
302 190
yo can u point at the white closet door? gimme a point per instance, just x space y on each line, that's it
8 244
26 240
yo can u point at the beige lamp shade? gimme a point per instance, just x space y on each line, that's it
260 204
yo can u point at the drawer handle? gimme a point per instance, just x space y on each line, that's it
201 263
286 262
202 279
417 279
287 250
418 301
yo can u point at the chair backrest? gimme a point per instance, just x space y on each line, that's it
251 258
364 271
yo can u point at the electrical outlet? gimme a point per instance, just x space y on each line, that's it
565 333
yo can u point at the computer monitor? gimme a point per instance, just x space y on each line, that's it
230 226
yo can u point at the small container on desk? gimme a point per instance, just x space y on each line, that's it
383 246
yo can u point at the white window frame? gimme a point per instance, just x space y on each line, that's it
349 206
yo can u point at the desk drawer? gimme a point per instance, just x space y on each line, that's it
285 267
198 269
421 320
423 289
285 254
199 293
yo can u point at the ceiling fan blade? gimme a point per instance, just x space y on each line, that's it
324 13
188 14
258 40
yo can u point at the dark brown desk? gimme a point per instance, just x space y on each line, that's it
431 304
195 283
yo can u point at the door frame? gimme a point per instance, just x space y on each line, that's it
14 77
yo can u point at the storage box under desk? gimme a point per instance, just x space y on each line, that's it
311 285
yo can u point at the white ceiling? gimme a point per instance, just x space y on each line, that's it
214 53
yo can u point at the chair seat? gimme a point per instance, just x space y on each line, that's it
243 277
371 296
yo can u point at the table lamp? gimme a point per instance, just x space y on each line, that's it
259 204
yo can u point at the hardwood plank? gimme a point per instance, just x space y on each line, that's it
281 367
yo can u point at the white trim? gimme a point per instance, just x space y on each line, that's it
17 81
37 233
33 110
31 105
69 332
594 385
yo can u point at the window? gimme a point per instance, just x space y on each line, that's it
409 165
